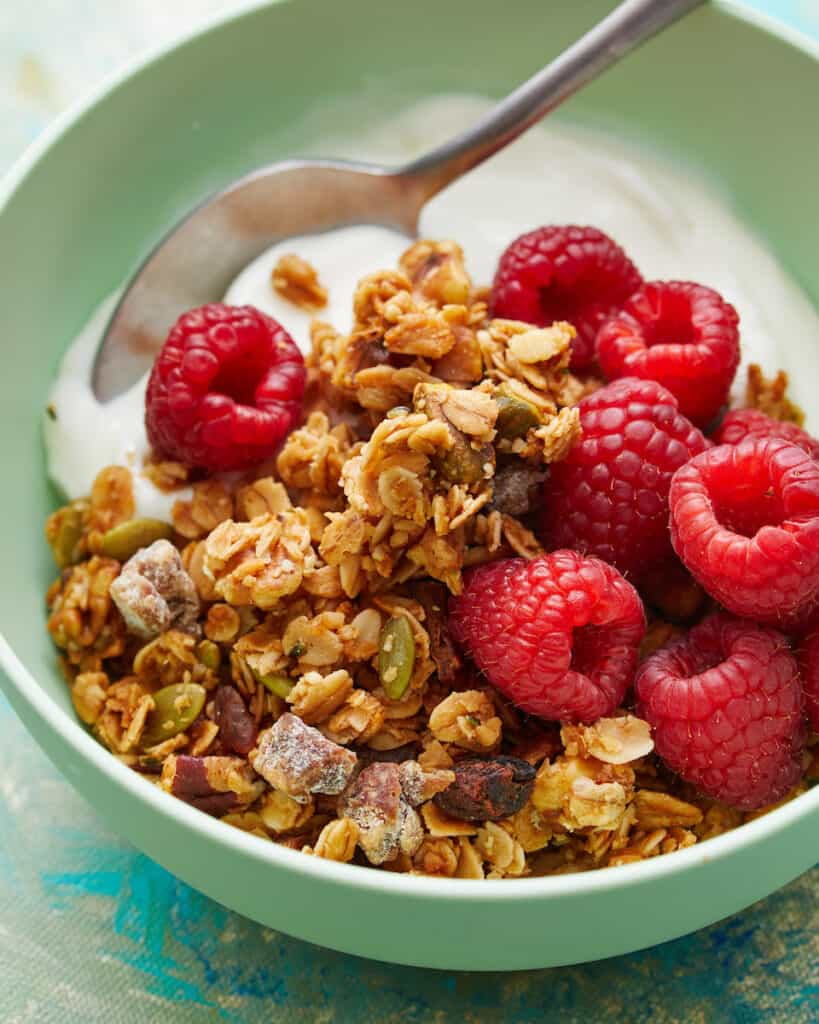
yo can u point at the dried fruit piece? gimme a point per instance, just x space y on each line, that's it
485 790
236 725
175 708
125 539
396 656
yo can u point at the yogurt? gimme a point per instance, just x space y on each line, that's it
670 224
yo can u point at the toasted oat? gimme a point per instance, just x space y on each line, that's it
337 840
211 503
467 719
315 697
260 562
297 281
769 394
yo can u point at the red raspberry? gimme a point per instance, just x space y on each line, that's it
683 335
225 388
751 424
609 497
725 706
559 635
745 523
808 657
564 273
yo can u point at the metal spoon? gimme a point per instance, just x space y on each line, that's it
199 258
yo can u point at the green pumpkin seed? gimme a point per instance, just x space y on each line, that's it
127 538
461 464
515 417
396 656
209 654
278 684
64 532
177 707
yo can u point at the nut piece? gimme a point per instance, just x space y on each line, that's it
154 593
467 718
486 790
337 840
236 725
214 785
387 824
298 760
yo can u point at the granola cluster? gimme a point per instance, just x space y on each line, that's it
278 655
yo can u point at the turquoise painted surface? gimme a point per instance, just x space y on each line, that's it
91 930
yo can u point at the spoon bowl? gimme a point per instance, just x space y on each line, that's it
205 251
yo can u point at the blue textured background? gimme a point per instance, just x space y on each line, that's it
91 930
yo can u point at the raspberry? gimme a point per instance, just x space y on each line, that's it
745 523
724 703
558 635
807 655
609 496
751 424
564 273
225 389
683 335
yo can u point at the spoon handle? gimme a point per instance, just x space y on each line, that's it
629 25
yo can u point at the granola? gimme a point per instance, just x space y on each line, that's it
427 434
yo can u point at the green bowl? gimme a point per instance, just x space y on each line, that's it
724 89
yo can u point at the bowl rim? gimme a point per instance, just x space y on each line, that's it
263 851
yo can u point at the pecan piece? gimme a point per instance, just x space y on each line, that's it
214 785
298 760
237 727
485 790
154 593
387 824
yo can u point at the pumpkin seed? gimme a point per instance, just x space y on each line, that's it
209 654
396 656
127 538
515 417
461 464
277 683
64 532
177 707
